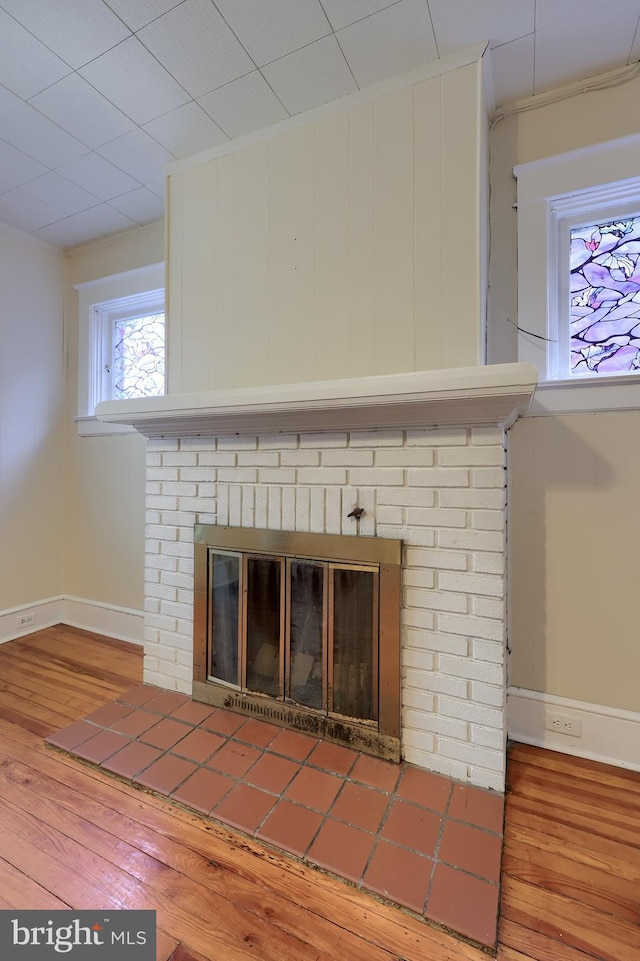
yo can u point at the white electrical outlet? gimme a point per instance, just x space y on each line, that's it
25 620
563 723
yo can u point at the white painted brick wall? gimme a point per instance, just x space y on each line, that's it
442 492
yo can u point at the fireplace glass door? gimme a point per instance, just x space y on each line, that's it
300 631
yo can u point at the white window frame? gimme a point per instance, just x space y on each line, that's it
100 303
554 194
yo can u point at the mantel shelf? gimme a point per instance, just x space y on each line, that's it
461 397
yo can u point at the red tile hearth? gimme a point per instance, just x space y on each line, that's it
417 839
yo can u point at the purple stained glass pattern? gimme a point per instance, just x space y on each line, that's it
605 297
138 357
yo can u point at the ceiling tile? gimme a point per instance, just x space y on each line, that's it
67 197
75 106
157 187
512 70
214 54
39 137
311 76
549 12
76 32
582 46
20 209
341 14
132 79
271 30
186 131
16 167
66 233
393 41
138 13
243 105
8 101
98 176
138 155
460 23
104 219
26 65
140 205
634 55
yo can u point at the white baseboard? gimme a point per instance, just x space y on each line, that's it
122 622
608 734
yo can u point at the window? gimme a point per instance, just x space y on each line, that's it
121 343
579 271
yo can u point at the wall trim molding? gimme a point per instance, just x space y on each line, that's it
609 735
123 623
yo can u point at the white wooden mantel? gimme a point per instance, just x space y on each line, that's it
493 395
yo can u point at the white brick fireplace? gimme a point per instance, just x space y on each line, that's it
424 455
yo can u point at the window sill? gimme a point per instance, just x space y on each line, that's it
586 394
90 426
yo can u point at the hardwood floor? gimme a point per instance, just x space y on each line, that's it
72 836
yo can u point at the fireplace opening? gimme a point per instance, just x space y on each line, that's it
302 630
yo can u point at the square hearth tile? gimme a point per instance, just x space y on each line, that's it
293 745
400 875
412 826
203 789
132 759
464 904
333 757
165 774
342 849
471 849
136 723
165 733
360 805
234 758
100 747
199 745
291 827
193 712
69 737
140 694
422 787
315 789
244 808
376 772
272 773
166 702
109 714
477 807
223 722
256 732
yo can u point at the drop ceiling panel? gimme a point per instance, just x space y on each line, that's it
459 24
105 219
215 55
39 137
272 30
26 65
512 69
98 176
601 38
8 101
311 76
550 12
132 79
140 205
76 32
21 209
75 106
393 41
138 13
243 105
66 233
138 155
16 168
341 14
186 131
67 197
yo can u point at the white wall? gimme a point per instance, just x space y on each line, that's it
573 513
105 477
351 244
31 436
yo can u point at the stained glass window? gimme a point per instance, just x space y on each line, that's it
605 297
138 357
